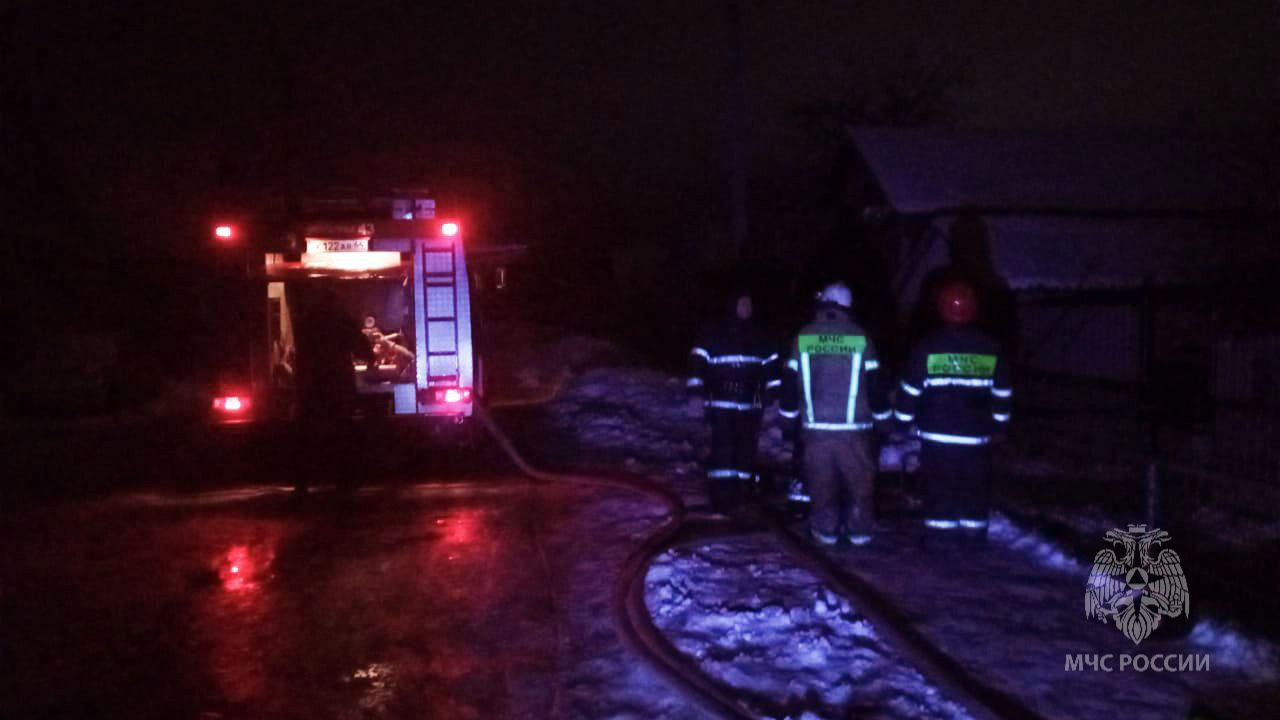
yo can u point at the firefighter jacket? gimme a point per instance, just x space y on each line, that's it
956 387
733 367
833 379
326 341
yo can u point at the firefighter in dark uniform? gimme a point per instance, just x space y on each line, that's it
734 373
833 383
956 389
327 340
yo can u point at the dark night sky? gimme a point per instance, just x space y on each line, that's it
573 110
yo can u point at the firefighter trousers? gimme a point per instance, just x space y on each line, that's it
731 466
957 487
326 441
840 476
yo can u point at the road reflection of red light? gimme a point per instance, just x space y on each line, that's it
228 622
460 546
237 569
461 527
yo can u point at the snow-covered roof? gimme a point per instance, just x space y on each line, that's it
927 171
1065 210
1061 253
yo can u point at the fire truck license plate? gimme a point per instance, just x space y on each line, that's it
337 246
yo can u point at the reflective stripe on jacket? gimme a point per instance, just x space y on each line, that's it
733 367
833 380
956 387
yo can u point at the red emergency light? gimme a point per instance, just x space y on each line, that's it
449 229
224 232
232 405
453 396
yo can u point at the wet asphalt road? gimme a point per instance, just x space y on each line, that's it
432 600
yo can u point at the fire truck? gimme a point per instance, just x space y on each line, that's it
399 275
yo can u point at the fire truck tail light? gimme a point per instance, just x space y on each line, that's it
453 395
232 404
450 229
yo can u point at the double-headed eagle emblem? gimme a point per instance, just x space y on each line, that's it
1138 586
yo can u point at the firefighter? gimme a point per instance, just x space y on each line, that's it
734 374
956 389
370 328
833 384
327 341
389 352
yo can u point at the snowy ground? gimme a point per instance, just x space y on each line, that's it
1011 612
1076 492
780 638
640 418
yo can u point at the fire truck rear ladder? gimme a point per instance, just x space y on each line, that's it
442 319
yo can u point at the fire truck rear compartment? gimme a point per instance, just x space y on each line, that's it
381 307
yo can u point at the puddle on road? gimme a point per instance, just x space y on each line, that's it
389 605
234 623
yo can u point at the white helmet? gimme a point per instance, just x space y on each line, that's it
837 294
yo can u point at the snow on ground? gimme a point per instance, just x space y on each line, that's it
1230 647
533 360
640 414
1237 651
643 418
1045 553
1011 612
773 631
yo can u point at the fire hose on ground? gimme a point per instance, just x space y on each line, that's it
680 527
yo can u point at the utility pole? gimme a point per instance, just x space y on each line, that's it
738 133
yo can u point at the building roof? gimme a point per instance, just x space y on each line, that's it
932 171
1065 210
1063 253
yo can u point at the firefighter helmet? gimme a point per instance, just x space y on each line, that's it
957 303
836 294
